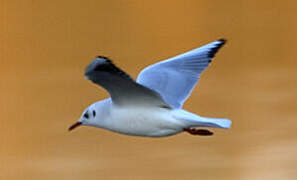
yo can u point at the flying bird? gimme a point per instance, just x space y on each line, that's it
151 106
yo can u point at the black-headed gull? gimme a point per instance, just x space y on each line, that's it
152 105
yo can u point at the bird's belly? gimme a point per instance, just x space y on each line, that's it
143 122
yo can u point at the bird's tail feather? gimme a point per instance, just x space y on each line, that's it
193 120
216 122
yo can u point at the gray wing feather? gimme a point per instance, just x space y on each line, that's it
121 87
175 78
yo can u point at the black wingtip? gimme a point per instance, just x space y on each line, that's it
98 62
103 64
104 57
215 49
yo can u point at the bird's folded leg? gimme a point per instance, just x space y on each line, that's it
200 132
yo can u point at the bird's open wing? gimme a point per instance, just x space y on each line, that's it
122 89
175 78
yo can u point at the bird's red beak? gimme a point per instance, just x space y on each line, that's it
74 126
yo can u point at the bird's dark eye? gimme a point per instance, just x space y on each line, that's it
94 113
86 115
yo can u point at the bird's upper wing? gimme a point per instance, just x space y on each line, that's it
122 89
175 78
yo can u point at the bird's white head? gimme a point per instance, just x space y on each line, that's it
94 115
88 118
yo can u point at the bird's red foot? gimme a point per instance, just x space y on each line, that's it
200 132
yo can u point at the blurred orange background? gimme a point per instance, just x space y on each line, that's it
45 46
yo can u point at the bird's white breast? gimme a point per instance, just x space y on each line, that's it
142 121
